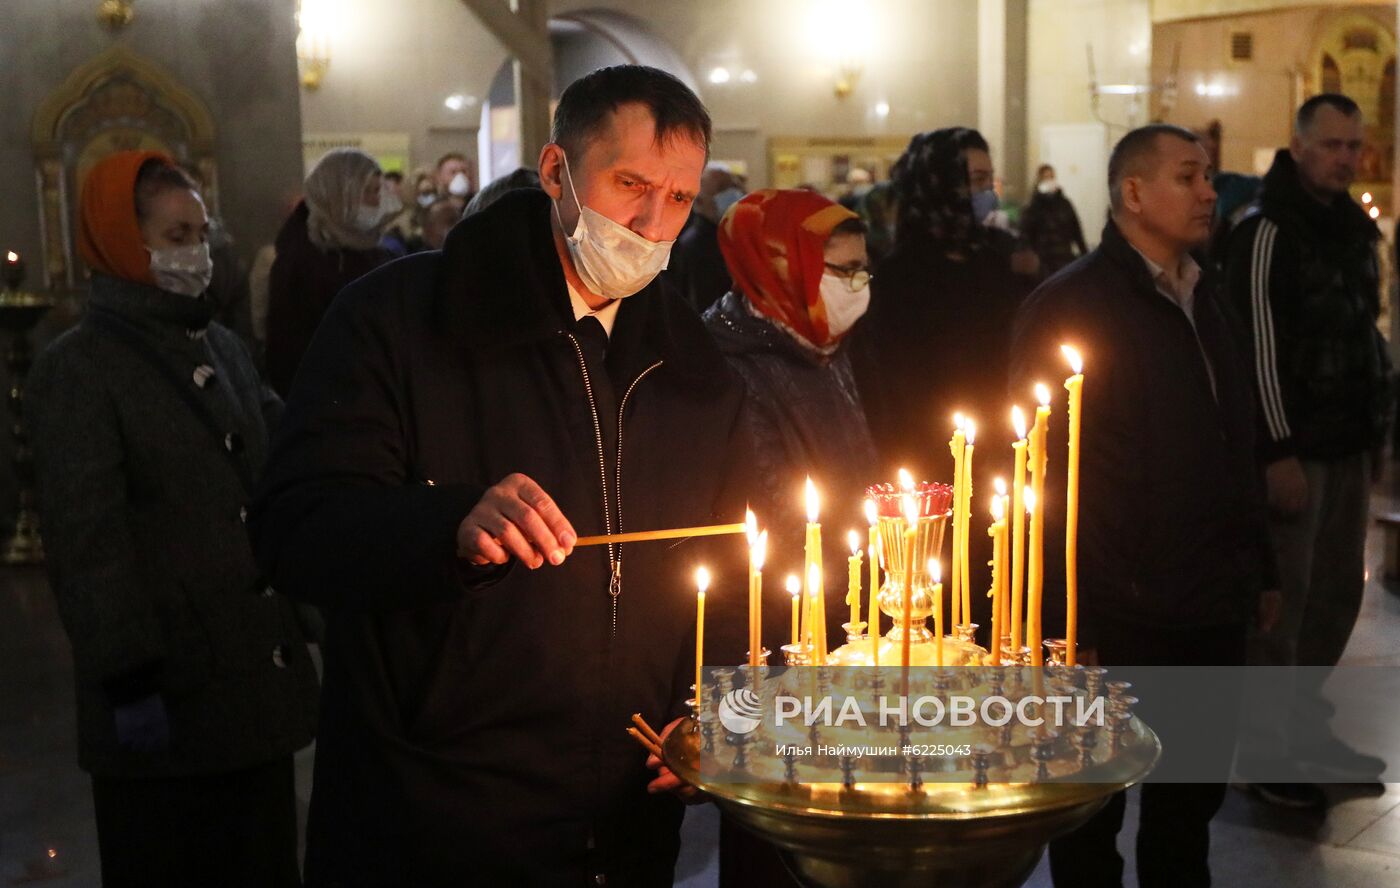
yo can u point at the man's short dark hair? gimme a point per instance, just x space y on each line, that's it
1308 110
451 155
587 102
1136 151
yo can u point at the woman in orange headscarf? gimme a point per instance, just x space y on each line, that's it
798 262
194 685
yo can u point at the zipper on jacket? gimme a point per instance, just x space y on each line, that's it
614 550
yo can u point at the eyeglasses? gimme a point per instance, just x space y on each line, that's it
856 278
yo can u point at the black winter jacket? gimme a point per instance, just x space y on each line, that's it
473 720
1172 526
1305 285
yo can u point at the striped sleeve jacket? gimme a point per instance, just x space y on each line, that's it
1306 304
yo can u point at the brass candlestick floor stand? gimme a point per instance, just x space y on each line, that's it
19 312
979 816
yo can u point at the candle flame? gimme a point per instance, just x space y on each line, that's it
906 480
11 256
911 510
794 585
935 570
958 421
1000 486
813 502
998 508
971 432
853 539
702 579
872 514
1029 497
1042 394
1018 422
1076 363
53 852
750 527
759 554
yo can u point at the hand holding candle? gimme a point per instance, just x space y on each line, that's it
1075 386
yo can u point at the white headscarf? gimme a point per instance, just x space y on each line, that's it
334 191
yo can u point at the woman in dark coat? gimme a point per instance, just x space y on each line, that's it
936 339
331 238
1050 225
194 683
800 283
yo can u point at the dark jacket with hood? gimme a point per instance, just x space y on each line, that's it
304 281
143 507
473 719
1172 526
1305 285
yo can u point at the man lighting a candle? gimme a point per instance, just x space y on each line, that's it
1173 554
498 400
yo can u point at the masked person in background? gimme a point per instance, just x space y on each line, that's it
331 238
697 267
194 684
801 282
452 177
461 418
936 339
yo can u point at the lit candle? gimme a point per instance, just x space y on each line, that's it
756 557
816 616
872 628
958 446
1018 528
935 571
998 534
794 588
751 532
853 578
702 582
1039 465
1033 585
971 432
911 524
816 632
1075 386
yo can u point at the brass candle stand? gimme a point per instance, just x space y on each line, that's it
20 311
846 816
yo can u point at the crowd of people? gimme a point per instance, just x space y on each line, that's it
402 475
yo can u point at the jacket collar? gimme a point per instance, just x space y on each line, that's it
501 286
1282 191
148 306
1116 248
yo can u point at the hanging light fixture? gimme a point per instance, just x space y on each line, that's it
313 41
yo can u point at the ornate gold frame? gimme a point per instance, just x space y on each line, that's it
117 100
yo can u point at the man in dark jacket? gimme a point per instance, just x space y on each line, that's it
1304 279
1172 550
459 419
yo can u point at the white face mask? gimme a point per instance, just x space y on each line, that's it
1049 186
367 217
844 306
611 259
184 270
459 186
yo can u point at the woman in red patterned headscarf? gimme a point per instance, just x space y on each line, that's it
798 262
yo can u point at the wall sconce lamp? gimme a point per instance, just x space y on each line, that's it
847 76
115 14
313 42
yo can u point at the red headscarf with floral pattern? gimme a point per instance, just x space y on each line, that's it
774 243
